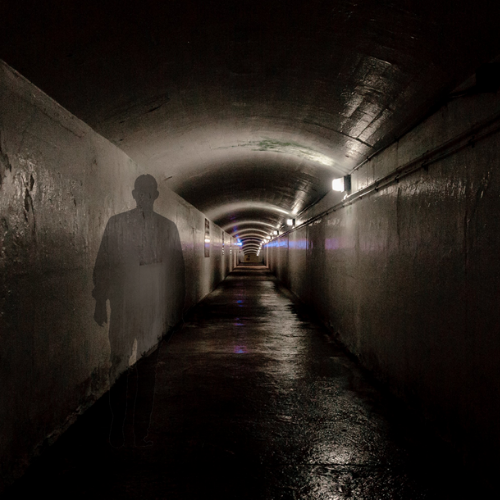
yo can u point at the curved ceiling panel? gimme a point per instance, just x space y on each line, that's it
252 232
259 239
248 109
252 241
244 224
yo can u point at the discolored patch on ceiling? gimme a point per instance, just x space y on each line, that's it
289 148
248 109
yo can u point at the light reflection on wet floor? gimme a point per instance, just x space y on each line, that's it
252 401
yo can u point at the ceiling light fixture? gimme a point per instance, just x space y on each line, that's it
342 184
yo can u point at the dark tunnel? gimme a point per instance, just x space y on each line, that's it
260 235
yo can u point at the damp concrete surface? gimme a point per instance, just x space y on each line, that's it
253 399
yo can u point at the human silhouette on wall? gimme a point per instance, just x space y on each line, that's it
140 270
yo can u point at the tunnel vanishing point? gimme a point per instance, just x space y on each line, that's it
246 113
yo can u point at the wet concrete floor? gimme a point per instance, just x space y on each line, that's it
252 400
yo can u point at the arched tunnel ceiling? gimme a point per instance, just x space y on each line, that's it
248 109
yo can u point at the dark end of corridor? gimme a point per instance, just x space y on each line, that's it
253 399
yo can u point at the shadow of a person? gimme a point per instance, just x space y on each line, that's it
140 270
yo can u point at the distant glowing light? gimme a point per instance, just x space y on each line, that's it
290 222
275 233
342 184
207 240
338 184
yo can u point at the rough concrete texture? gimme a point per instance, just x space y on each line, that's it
254 401
60 182
249 107
408 277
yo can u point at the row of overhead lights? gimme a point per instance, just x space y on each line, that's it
342 184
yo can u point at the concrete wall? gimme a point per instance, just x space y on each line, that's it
408 274
60 182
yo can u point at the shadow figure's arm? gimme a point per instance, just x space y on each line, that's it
101 278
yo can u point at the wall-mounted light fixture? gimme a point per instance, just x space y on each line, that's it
275 233
342 184
290 222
